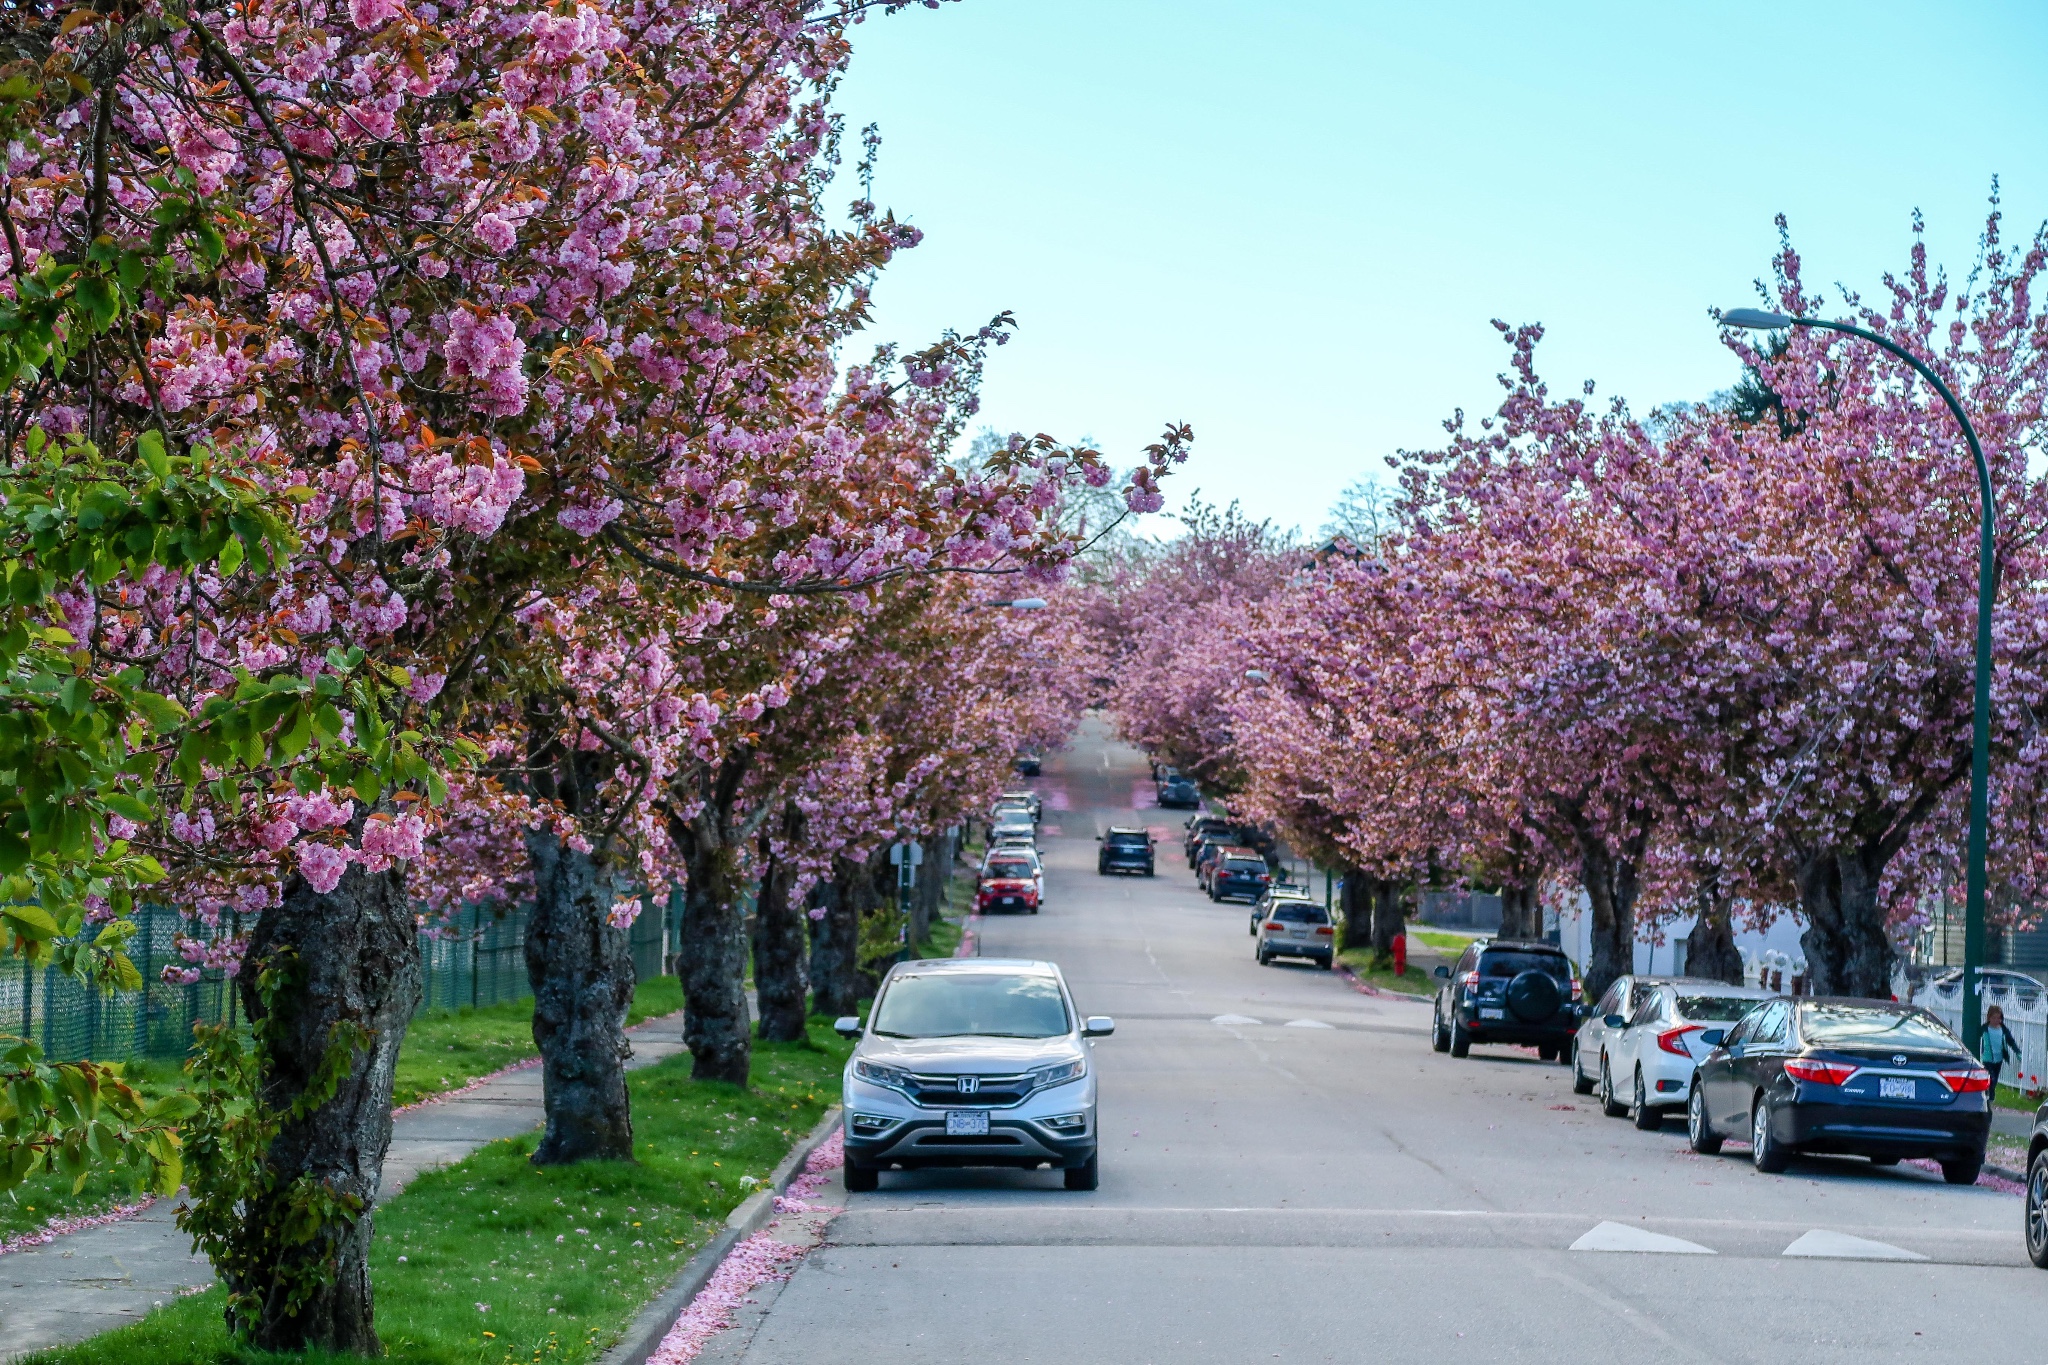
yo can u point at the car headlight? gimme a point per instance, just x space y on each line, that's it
1060 1073
881 1075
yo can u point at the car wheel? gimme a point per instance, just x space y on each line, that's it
1766 1153
1964 1170
1329 964
1439 1036
1609 1106
1582 1084
1263 957
1546 1052
861 1179
1648 1117
2037 1209
1704 1139
1461 1041
1085 1176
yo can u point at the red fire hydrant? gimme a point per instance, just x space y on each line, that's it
1400 955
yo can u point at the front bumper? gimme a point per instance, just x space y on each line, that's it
1879 1130
913 1135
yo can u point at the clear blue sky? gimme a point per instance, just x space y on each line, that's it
1290 223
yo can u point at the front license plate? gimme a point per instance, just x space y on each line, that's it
1897 1088
1492 1014
1009 900
973 1123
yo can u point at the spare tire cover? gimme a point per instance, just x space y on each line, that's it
1534 996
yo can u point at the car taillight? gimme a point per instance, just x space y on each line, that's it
1819 1073
1577 989
1470 981
1326 929
1673 1040
1274 925
1967 1082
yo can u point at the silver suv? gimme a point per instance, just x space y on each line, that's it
1296 928
972 1062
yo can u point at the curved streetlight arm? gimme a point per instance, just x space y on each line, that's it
1987 588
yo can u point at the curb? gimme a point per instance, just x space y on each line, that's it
1364 989
643 1336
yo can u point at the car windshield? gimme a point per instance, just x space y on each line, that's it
1717 1009
949 1004
1009 867
1514 964
1851 1026
1297 912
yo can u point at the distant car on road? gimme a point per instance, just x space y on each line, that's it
1279 891
1028 765
1125 849
1506 991
972 1062
1199 826
1181 792
1011 879
1651 1058
1210 851
1239 873
1013 824
1296 928
1854 1077
1028 802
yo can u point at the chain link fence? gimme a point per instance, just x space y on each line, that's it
482 963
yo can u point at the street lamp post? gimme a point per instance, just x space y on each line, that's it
1987 586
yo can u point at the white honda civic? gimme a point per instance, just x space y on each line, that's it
1655 1051
972 1062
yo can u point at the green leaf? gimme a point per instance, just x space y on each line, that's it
150 446
101 301
231 556
30 921
128 807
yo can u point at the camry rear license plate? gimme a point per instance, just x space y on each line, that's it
973 1123
1492 1014
1897 1088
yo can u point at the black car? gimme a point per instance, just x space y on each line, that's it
1854 1077
1506 991
1199 825
1238 876
1124 850
1028 765
1180 792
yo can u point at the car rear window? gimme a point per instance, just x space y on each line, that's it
1297 913
1128 841
1007 867
1716 1009
1852 1026
1509 963
1244 864
950 1004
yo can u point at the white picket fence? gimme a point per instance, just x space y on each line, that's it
2026 1015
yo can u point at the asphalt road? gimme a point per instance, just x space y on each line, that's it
1289 1173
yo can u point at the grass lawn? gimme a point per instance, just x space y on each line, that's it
2009 1098
491 1262
1442 942
444 1050
1416 982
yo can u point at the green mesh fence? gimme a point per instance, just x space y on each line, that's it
483 963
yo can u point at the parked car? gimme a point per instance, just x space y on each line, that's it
1025 800
2036 1223
1296 929
1209 851
1855 1077
1239 872
1011 879
1281 891
1180 792
1506 991
1199 826
1589 1046
1655 1053
1028 765
1013 824
1125 849
972 1062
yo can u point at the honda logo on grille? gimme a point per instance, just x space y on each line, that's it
968 1084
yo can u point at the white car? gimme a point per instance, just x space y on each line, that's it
1296 928
1589 1044
1656 1052
972 1061
1013 826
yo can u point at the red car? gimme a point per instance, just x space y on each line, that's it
1007 884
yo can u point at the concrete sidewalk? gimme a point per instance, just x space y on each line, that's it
106 1277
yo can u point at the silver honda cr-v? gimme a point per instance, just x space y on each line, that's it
972 1062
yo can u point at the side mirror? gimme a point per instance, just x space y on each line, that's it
847 1026
1444 972
1615 1021
1098 1026
1713 1037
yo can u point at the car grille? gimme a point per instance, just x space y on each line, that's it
957 1140
994 1092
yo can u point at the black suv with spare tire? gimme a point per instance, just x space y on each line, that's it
1506 991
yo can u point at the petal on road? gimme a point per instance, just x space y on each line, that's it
1843 1246
1622 1237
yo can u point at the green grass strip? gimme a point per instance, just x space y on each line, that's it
493 1262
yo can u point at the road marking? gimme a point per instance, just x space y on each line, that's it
1233 1020
1622 1237
1306 1023
1844 1246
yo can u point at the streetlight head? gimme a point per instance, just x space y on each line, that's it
1257 675
1027 604
1754 317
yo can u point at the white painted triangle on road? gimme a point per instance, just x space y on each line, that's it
1232 1019
1307 1023
1844 1246
1622 1237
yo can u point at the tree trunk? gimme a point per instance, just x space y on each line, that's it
1355 897
350 957
1710 947
1847 949
1610 875
835 945
581 969
1389 920
779 931
715 1026
1521 916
